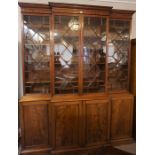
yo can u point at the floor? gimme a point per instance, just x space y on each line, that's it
114 151
131 148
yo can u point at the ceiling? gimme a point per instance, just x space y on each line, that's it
116 4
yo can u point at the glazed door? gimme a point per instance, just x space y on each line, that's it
66 54
94 54
79 54
118 55
36 38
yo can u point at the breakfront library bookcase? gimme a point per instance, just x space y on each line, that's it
76 69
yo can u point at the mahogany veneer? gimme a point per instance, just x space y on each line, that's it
79 104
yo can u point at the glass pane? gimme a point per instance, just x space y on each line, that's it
36 54
118 55
94 53
66 53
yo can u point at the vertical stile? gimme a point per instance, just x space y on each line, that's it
107 48
23 43
81 55
52 54
129 56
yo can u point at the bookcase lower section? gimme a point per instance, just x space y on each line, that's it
75 125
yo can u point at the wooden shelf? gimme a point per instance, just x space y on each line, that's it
94 73
93 82
37 25
31 71
93 87
85 81
37 82
73 55
67 88
74 63
37 44
60 82
36 62
96 63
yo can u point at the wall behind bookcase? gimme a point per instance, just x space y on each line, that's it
20 78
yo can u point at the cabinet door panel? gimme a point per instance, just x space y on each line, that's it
35 122
94 54
66 124
118 54
66 54
36 33
121 123
96 121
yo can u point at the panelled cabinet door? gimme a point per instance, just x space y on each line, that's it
35 124
121 121
96 123
66 121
